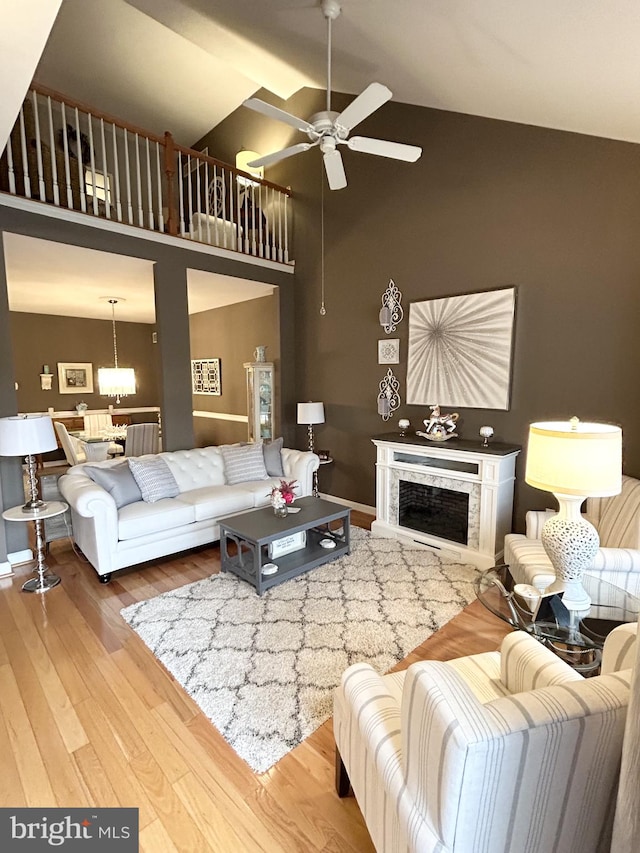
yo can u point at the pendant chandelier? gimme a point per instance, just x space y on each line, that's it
116 381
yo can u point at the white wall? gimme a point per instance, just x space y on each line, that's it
26 25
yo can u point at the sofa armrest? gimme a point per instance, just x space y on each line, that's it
299 465
86 497
525 664
95 519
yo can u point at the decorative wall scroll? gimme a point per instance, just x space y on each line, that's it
460 350
388 395
205 376
391 313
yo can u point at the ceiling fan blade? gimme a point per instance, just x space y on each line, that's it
270 159
367 102
382 148
334 168
278 114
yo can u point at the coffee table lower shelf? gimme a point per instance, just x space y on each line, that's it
251 553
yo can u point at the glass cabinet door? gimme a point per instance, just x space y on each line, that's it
260 391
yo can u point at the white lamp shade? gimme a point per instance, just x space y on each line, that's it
243 158
574 458
116 381
310 413
23 436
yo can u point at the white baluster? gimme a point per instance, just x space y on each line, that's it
286 229
159 179
218 203
25 164
81 180
116 172
280 227
127 171
181 193
190 195
105 173
260 234
52 153
65 149
139 183
10 167
41 186
93 164
225 179
207 201
149 188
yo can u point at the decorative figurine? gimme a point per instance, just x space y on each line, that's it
486 432
440 427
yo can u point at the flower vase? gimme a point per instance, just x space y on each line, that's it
280 511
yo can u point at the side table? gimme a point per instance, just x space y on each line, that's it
44 580
580 642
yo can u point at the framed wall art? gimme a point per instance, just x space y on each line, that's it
389 351
460 350
205 376
75 377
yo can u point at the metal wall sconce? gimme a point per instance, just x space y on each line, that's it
391 313
388 396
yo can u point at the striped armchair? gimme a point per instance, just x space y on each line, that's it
503 751
617 520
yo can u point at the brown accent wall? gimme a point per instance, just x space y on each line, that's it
231 334
489 204
40 339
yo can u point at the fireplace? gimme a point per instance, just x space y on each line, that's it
434 510
455 498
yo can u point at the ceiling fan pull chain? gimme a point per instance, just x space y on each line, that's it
323 310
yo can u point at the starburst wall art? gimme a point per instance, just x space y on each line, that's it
460 350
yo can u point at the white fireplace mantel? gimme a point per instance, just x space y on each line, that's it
485 474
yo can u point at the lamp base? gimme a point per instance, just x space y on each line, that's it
571 543
41 583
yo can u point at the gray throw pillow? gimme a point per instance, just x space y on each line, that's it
118 481
243 464
272 451
154 478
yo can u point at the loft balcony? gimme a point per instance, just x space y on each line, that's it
65 154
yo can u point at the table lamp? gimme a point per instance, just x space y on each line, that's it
575 461
310 414
27 436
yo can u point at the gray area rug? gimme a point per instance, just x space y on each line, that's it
263 669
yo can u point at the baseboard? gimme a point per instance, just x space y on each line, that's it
369 510
6 570
18 557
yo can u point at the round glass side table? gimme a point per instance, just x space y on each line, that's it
580 642
44 579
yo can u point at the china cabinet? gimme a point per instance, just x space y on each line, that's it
260 400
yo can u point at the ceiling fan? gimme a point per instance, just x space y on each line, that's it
328 129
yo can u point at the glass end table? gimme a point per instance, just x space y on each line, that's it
580 642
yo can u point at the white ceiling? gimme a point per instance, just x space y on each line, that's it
184 65
52 278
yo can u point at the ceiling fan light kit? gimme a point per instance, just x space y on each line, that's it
328 129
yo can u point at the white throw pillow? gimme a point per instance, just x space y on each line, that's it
154 479
243 464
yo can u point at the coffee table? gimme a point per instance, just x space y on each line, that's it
252 532
580 643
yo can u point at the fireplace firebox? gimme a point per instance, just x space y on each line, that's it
434 510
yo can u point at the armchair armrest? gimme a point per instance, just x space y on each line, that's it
619 650
616 560
525 665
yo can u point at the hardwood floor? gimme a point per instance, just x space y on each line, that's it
88 717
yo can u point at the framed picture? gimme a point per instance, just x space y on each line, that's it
460 350
75 377
205 376
389 351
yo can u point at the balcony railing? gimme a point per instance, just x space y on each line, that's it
63 153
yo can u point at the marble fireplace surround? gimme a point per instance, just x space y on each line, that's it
487 475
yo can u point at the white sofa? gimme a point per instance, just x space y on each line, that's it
113 538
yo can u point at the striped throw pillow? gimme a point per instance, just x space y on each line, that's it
242 464
154 479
